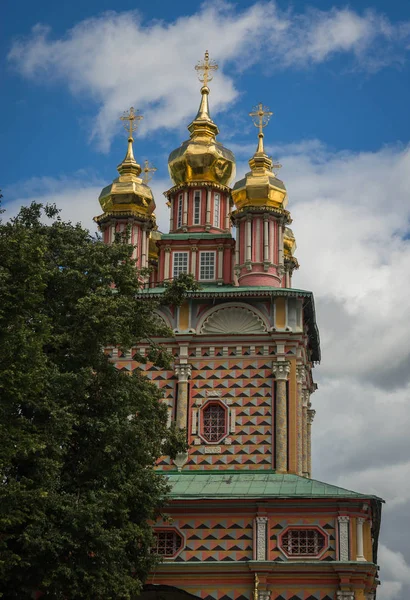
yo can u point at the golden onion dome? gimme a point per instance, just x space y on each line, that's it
260 187
202 158
128 193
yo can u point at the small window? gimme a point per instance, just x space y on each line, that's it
207 266
303 542
179 214
217 209
213 422
180 264
167 542
197 207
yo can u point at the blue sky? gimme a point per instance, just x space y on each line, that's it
337 77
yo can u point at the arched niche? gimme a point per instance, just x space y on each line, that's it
232 319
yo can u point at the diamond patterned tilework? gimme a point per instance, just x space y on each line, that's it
278 526
303 594
247 385
215 539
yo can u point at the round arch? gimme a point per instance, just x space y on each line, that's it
232 318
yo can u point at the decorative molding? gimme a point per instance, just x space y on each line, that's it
233 320
281 370
180 460
261 537
183 372
300 374
232 420
311 415
264 594
213 394
344 522
345 595
212 449
194 421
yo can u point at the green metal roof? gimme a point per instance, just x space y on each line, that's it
241 485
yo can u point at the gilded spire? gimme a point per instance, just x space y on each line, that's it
261 161
130 121
202 125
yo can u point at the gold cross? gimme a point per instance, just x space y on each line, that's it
147 170
260 116
206 66
133 118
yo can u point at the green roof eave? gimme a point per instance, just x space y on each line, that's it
195 236
248 485
231 291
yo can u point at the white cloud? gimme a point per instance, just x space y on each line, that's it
119 60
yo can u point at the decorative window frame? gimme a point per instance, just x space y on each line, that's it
173 262
230 418
177 532
197 195
258 314
201 253
303 556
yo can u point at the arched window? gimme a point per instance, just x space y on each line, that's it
167 542
302 542
213 422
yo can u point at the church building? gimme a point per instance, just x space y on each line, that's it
248 522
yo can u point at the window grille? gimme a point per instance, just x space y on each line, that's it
303 542
217 209
179 215
207 265
167 542
180 263
197 207
214 422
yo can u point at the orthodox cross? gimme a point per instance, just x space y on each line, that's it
205 68
133 119
147 170
260 116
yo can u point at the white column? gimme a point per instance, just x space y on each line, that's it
248 237
258 240
112 237
208 207
143 248
261 537
237 244
344 522
280 242
171 214
227 210
272 242
311 416
304 433
359 540
220 263
185 210
194 250
300 380
167 262
266 240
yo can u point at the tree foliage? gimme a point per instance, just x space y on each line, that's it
78 438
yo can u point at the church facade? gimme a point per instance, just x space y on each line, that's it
247 520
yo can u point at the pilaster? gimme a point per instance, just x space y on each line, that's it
281 372
344 522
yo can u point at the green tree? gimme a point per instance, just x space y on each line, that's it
78 438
